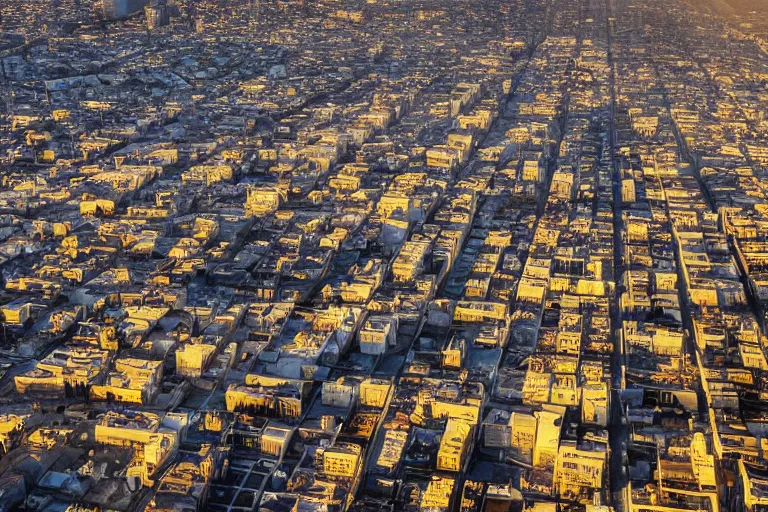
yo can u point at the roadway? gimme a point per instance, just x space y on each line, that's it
617 429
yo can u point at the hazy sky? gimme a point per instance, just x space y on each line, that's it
734 6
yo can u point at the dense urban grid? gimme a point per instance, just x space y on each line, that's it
384 256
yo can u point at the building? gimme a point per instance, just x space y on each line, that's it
454 446
158 14
579 472
114 9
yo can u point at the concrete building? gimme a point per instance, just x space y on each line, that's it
158 14
114 9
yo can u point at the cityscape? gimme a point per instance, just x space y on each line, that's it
384 255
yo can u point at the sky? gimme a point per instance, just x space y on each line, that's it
741 7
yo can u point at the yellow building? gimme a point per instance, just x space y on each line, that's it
548 423
454 446
523 434
342 460
16 312
133 381
374 392
96 207
442 157
448 400
578 473
753 485
185 485
473 312
65 368
274 440
207 174
594 404
193 359
11 428
281 401
260 201
392 202
438 495
153 445
702 462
